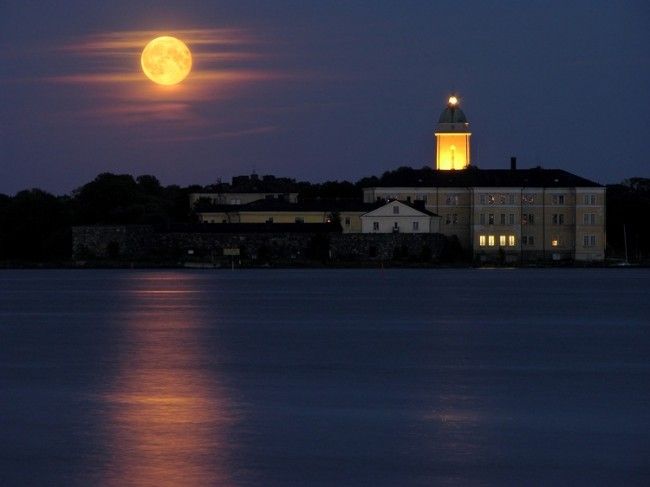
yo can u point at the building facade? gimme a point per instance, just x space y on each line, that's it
399 217
510 214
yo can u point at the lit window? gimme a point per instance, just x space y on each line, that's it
416 226
555 242
375 226
502 240
395 210
511 240
481 240
491 240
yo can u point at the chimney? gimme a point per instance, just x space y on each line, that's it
513 163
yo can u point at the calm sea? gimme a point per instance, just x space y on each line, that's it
325 377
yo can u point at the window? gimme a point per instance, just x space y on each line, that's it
481 240
589 219
491 219
511 240
375 226
511 219
447 219
528 199
452 199
300 219
524 240
503 218
454 218
481 199
491 240
511 199
270 220
555 242
482 219
416 226
592 240
395 227
395 210
558 219
528 219
589 199
585 241
347 221
558 199
531 240
496 199
502 240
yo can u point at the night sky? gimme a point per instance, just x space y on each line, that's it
319 90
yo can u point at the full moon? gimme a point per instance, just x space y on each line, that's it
166 60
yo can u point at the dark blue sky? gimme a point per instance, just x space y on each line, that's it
319 90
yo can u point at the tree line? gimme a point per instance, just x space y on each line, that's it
35 226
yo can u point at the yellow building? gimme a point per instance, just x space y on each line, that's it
269 211
452 138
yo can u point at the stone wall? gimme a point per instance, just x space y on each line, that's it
143 243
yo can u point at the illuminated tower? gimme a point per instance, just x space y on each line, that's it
452 138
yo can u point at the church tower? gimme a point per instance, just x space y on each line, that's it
452 138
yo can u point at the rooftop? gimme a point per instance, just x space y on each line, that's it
475 177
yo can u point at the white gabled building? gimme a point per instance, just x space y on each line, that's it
399 217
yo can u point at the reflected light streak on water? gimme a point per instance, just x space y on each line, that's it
166 420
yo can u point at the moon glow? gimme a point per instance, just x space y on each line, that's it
166 60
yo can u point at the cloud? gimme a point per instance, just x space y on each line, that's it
226 64
225 134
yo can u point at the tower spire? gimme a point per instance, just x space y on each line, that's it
452 137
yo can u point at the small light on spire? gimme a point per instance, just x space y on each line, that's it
453 101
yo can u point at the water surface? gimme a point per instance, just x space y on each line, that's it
318 377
